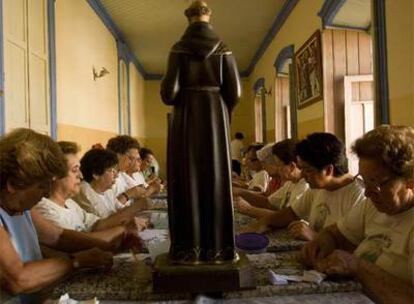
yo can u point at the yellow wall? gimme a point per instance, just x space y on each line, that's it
400 52
243 113
137 106
83 42
84 137
155 123
299 26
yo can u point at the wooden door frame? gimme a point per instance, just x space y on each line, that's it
348 80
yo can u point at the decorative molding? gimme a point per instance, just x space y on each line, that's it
128 100
276 26
381 61
119 98
348 27
259 83
154 77
127 53
285 54
2 99
52 67
329 10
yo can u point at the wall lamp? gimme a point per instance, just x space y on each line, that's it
267 91
99 74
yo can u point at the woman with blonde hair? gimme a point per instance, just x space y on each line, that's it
374 242
29 162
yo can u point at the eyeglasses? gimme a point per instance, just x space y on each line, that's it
113 170
133 158
373 186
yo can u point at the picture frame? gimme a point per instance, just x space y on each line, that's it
308 70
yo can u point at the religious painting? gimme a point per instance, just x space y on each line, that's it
308 68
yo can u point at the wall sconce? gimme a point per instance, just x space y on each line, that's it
99 74
267 91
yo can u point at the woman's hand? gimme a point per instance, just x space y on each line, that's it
301 230
338 262
137 192
141 223
93 258
136 224
241 205
257 226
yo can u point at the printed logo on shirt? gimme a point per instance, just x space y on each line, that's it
78 228
286 200
373 247
322 212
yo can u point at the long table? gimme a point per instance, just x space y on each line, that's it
130 279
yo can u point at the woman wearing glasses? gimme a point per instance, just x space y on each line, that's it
61 209
333 191
375 241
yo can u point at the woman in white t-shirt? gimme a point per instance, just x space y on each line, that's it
99 168
259 177
333 193
374 242
60 209
284 157
126 187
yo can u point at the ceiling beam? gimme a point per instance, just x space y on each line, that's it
274 29
99 9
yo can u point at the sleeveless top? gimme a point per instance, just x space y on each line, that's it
24 239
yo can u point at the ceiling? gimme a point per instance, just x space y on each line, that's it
354 14
151 27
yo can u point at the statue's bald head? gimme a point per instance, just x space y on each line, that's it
198 11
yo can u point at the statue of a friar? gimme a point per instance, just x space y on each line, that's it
202 83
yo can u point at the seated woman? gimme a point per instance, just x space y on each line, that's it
99 168
375 241
259 177
265 156
29 163
149 167
129 161
284 153
152 185
333 191
66 213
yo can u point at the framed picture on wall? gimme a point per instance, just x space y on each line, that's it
308 69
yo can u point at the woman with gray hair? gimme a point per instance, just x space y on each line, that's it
374 242
29 163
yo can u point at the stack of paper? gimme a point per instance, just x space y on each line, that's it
311 276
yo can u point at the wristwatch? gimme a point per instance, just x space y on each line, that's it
75 262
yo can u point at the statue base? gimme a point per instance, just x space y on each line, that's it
171 277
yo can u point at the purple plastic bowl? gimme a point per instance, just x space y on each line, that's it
252 242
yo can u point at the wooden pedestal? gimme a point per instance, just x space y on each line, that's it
170 277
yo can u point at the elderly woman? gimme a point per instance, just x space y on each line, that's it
99 168
149 167
126 187
323 162
259 176
66 213
380 231
284 154
29 162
